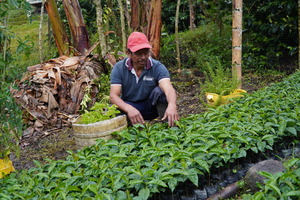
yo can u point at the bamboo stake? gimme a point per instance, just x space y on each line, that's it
40 31
176 35
237 14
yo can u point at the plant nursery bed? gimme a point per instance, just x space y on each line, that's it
222 177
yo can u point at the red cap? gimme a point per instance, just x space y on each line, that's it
137 41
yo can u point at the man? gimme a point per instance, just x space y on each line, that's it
140 84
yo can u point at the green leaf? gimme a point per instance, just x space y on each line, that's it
275 188
144 193
93 188
292 130
43 175
193 176
61 175
172 183
202 163
293 193
157 182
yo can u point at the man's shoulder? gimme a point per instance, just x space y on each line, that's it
121 62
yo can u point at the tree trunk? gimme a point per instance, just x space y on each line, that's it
127 15
99 13
176 35
121 7
40 32
77 26
59 32
139 11
192 15
154 26
134 23
237 6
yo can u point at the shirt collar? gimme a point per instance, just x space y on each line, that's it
129 65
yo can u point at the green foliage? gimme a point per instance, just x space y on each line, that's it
147 159
104 85
218 79
197 47
284 185
10 122
218 12
269 37
99 112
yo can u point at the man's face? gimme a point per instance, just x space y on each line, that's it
140 58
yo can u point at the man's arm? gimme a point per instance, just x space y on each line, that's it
133 114
171 112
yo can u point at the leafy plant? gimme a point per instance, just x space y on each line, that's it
218 79
198 46
11 116
99 111
283 185
11 123
147 159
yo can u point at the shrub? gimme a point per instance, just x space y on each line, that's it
218 79
198 46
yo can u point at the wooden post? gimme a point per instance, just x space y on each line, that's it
237 16
176 35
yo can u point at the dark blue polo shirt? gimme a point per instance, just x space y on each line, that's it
133 89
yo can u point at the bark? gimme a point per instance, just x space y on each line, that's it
127 15
154 26
176 35
139 12
99 13
77 26
40 32
192 14
59 32
121 7
237 6
134 24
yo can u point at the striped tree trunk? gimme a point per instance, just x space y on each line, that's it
237 16
177 36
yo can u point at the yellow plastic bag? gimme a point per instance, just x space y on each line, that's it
214 99
6 167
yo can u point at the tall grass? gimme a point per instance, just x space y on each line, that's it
25 43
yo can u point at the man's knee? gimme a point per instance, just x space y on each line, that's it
157 96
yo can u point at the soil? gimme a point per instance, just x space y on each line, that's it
186 82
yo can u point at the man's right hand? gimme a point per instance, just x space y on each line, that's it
132 113
135 116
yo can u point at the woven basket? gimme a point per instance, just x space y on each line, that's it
86 134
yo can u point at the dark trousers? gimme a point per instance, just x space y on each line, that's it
152 107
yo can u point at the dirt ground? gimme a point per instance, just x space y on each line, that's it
56 145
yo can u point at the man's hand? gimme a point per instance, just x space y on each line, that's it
134 115
171 114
